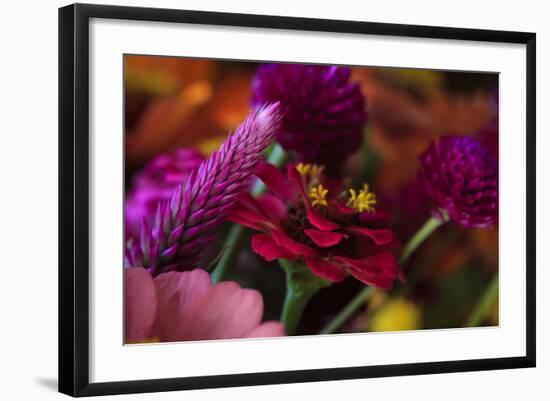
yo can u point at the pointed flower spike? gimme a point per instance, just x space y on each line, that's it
194 212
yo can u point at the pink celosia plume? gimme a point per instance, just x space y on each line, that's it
185 225
155 184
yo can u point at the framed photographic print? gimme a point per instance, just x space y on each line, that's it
250 199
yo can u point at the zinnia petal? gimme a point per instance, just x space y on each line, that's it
177 293
140 304
275 181
293 246
376 218
319 221
268 329
251 212
273 207
343 209
247 218
380 237
264 246
325 269
297 182
325 239
226 311
379 270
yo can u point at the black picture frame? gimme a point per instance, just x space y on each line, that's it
74 201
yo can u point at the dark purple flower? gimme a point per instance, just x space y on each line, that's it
155 183
324 113
461 177
184 226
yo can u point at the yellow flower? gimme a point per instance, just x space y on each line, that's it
362 201
310 171
398 314
318 195
316 170
303 169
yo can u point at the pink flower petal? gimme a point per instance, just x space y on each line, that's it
190 308
380 237
140 304
274 180
177 292
273 207
378 270
284 241
248 202
325 239
247 218
325 269
268 329
296 181
319 221
376 218
264 246
343 209
252 213
226 311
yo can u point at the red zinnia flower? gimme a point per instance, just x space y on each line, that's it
334 232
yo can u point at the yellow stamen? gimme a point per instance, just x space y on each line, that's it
362 201
312 171
316 170
318 195
303 169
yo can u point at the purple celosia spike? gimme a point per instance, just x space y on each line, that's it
155 183
324 112
184 224
461 178
128 254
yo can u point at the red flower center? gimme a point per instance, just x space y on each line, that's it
295 223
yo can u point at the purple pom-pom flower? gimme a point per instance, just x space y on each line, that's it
185 225
323 112
461 177
155 183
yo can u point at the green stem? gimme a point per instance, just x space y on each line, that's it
419 237
481 310
301 286
277 157
416 240
351 307
293 308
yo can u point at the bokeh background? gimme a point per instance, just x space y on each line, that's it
173 103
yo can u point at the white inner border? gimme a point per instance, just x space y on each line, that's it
111 361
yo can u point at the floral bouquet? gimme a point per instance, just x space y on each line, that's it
342 200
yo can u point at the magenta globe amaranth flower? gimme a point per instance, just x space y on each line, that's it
461 177
324 113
